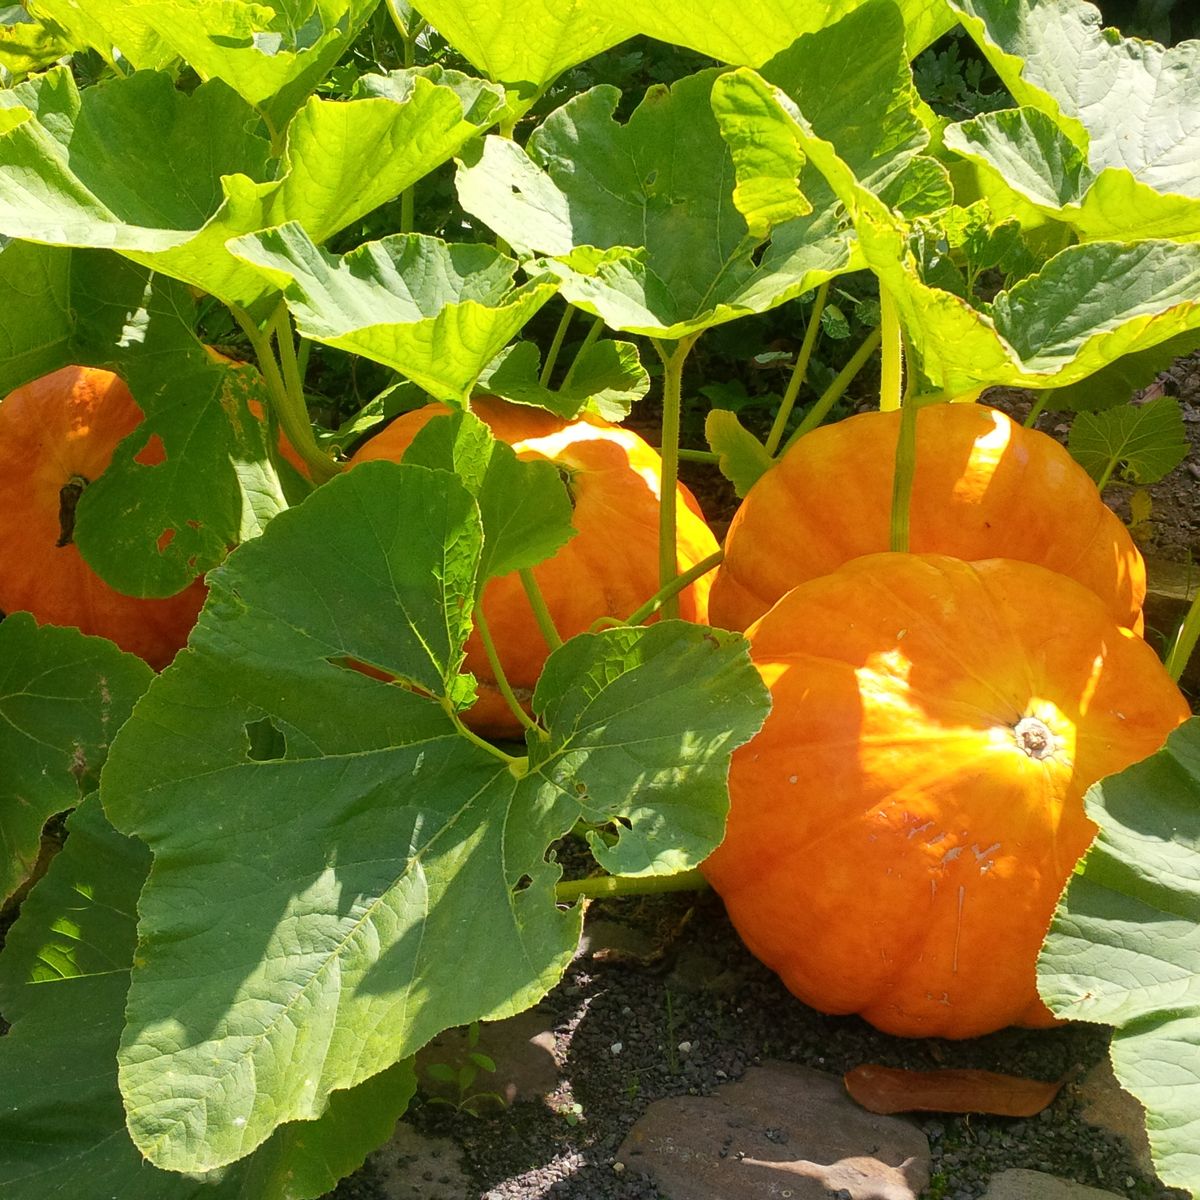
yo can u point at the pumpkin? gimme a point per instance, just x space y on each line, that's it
608 569
902 826
985 487
57 435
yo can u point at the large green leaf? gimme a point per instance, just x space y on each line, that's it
748 32
643 221
27 45
437 312
195 477
113 28
526 44
167 178
1146 440
340 873
1124 946
64 974
1087 307
63 697
1125 104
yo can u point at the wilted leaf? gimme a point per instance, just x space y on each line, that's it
892 1090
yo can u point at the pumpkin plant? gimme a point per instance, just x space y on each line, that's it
304 846
609 568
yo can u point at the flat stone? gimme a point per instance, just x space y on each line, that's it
612 941
1019 1184
414 1167
522 1047
782 1131
1107 1105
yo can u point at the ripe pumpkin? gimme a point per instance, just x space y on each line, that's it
57 434
902 826
608 569
985 487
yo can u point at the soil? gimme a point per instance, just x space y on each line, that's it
701 1010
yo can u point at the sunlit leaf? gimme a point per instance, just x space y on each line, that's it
1145 441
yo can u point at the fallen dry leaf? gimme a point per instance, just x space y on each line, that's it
890 1090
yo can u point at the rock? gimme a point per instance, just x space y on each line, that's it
781 1131
522 1047
611 941
415 1167
1108 1106
1034 1185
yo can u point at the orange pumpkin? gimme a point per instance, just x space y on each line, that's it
902 826
985 487
57 435
608 569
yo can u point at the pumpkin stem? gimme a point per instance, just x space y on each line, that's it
1034 736
68 500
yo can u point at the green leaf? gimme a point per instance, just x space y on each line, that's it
1088 306
1023 153
1144 440
523 506
526 44
167 178
1124 946
27 45
1125 101
64 974
63 697
748 32
605 379
404 887
743 458
107 26
1116 383
437 312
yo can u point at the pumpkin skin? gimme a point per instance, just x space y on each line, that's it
985 487
608 569
56 429
894 847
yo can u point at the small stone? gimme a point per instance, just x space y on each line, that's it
616 1047
684 1047
1019 1184
618 1168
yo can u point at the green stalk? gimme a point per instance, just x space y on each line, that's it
515 763
1185 641
588 342
891 368
541 613
556 345
902 483
676 586
1038 407
608 886
287 398
672 403
833 393
799 371
700 456
502 684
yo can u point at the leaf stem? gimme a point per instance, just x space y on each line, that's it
834 392
1039 406
509 760
501 680
672 404
556 345
677 585
588 342
1185 641
891 371
799 371
700 456
541 613
902 481
606 886
288 401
